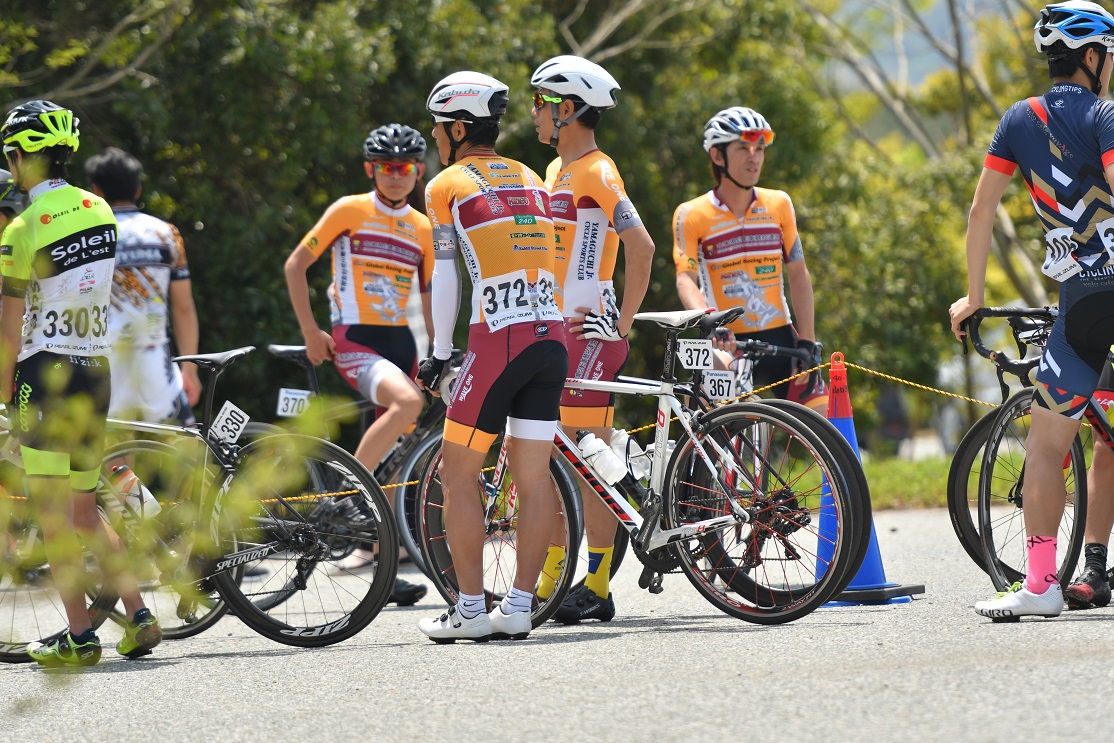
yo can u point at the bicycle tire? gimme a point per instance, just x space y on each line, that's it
30 608
169 587
794 456
406 498
500 565
852 466
298 505
1001 498
963 488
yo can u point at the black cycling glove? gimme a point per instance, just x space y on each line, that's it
431 371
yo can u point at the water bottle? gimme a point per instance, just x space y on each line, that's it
628 450
668 452
604 461
135 493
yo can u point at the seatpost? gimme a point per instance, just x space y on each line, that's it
670 356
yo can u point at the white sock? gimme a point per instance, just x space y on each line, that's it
517 600
471 606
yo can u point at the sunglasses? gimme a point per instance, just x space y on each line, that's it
387 168
540 99
756 136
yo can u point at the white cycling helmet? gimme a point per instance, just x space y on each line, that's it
1076 23
467 96
734 124
575 76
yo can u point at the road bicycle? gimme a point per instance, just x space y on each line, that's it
991 457
753 504
291 505
400 465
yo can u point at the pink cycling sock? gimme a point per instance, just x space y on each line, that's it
1042 563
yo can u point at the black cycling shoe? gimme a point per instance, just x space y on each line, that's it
1090 590
583 604
406 593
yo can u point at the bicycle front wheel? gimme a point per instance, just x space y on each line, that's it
500 554
795 551
295 507
963 488
1002 498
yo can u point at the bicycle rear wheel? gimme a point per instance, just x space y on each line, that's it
849 464
1002 498
160 547
296 506
796 550
500 547
406 498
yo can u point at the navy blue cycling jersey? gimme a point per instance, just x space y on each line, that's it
1062 142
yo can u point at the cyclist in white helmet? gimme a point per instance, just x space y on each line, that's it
492 212
591 215
736 245
1063 144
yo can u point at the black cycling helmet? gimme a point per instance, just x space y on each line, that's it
12 202
394 142
37 125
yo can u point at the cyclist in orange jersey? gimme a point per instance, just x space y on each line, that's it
493 213
381 249
591 214
732 245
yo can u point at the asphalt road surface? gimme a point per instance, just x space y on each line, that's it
669 667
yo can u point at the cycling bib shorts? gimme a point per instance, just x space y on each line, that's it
596 360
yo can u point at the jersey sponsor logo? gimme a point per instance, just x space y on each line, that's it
1058 103
87 282
559 205
765 269
46 219
519 201
591 236
313 242
522 218
5 249
526 235
87 203
758 210
541 330
502 175
465 389
498 166
517 247
86 246
488 193
405 225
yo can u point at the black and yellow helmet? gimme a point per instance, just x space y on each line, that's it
36 125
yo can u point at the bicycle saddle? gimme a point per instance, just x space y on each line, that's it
676 319
297 354
217 360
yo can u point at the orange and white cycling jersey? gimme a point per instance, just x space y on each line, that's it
378 254
590 208
497 211
739 261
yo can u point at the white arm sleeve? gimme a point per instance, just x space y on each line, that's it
445 302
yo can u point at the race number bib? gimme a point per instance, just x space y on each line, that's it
1059 259
292 402
695 353
718 384
509 299
230 423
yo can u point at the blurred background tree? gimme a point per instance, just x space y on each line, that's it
249 116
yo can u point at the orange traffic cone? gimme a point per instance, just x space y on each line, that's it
869 585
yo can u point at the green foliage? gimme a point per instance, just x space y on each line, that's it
250 120
899 483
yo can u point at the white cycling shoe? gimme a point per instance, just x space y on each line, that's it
451 626
514 626
1019 602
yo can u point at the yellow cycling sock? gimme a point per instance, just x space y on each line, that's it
599 571
554 563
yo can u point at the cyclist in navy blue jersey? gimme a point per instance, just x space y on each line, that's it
1063 144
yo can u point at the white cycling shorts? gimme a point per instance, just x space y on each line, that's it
146 384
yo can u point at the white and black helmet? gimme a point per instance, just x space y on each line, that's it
568 75
468 96
731 124
1076 23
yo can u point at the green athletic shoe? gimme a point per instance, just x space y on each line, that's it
64 651
140 636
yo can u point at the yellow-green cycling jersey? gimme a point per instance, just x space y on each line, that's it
59 255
